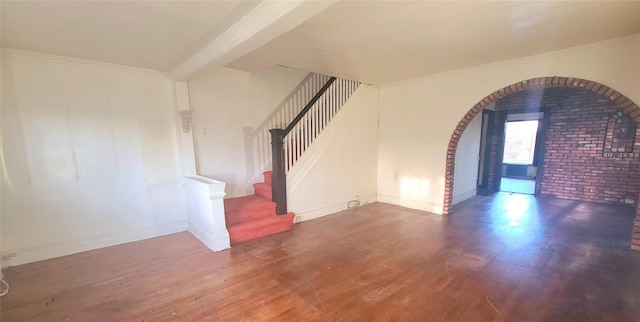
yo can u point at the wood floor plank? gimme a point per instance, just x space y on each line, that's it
497 258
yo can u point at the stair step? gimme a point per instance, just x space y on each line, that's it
260 228
267 176
263 189
254 216
243 209
247 202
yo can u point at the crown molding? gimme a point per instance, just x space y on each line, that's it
609 43
10 52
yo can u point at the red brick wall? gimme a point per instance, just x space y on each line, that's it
626 105
579 162
496 142
635 235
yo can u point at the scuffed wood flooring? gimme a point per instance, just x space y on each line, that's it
504 257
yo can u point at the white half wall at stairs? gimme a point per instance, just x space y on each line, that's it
206 211
340 165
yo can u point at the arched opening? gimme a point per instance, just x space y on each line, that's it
624 106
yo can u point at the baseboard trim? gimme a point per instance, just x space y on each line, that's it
215 244
464 196
42 252
413 204
306 215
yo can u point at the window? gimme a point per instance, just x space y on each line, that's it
520 142
621 136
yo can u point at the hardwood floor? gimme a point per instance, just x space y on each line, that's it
497 258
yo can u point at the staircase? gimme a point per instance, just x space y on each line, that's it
254 216
304 114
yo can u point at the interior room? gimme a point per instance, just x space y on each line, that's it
320 160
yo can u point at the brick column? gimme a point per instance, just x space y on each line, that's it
635 236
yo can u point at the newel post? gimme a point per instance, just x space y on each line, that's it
279 177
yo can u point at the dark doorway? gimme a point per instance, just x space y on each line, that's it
512 148
484 159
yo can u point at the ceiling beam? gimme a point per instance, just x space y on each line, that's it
266 21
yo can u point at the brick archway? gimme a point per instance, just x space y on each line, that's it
628 107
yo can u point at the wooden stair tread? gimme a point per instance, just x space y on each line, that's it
262 185
261 222
247 203
263 189
267 176
252 217
262 227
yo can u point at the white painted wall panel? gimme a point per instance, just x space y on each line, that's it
90 158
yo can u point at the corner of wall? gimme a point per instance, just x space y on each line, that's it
413 204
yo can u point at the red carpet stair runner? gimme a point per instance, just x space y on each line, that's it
635 236
255 216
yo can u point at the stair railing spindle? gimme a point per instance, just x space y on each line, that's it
304 126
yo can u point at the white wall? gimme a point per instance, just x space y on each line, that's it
418 116
465 179
206 212
341 164
227 104
90 156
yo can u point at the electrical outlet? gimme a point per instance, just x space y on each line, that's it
395 176
8 257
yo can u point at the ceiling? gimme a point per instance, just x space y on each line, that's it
384 41
370 41
149 34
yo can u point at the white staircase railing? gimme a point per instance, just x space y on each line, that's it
288 144
258 141
316 119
